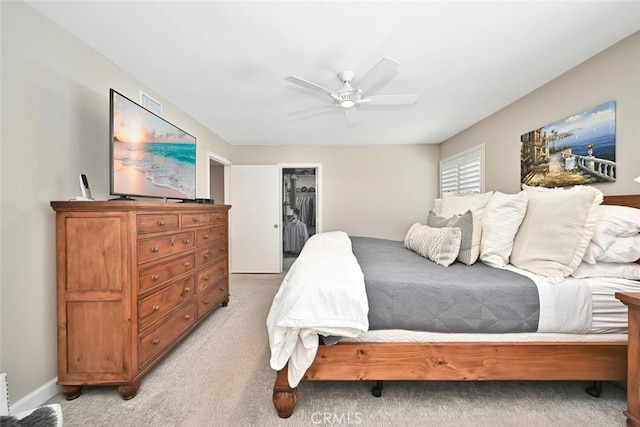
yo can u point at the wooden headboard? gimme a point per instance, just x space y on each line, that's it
632 200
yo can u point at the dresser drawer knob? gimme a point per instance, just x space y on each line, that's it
222 249
206 302
156 307
205 236
221 268
196 219
155 341
187 264
155 277
155 249
187 288
206 278
161 223
205 256
187 316
187 241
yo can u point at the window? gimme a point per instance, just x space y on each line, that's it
463 172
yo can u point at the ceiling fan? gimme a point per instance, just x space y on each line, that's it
352 95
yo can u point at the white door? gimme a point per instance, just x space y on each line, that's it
255 240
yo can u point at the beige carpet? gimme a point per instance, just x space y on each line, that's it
220 376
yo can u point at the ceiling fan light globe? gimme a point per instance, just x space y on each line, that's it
347 103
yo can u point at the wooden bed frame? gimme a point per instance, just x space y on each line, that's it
462 361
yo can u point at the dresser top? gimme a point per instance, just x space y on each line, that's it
134 205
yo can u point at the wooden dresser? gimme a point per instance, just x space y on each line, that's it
632 301
133 279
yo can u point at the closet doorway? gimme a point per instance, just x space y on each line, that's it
301 202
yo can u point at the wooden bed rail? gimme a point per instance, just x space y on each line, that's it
457 362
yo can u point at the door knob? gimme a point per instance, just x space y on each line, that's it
275 225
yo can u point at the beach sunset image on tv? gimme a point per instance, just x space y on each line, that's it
150 156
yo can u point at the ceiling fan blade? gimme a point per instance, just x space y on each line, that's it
351 115
390 99
309 85
376 74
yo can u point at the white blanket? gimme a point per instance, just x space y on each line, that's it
322 294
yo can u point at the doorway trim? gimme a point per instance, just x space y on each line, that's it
211 156
318 207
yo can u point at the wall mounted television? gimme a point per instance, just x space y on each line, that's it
149 157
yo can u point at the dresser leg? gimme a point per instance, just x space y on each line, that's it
129 391
225 302
71 391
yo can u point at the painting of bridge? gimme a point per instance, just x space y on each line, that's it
577 150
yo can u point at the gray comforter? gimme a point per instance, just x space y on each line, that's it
407 291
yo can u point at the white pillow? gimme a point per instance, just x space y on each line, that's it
615 221
440 245
622 250
500 222
629 271
556 230
457 205
468 254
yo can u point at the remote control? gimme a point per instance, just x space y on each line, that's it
84 187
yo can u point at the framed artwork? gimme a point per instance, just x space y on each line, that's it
577 150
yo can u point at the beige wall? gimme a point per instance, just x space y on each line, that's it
55 105
376 190
613 75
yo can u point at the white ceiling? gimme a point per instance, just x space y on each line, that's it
224 62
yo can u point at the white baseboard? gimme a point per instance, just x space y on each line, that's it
37 397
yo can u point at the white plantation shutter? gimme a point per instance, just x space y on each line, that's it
463 172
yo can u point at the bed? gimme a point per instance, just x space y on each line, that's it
397 354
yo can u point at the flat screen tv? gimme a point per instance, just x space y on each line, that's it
150 157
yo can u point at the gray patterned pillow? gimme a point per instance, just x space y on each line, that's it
440 245
465 223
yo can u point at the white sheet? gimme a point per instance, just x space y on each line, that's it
565 307
323 293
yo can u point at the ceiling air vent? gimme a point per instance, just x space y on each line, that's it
150 104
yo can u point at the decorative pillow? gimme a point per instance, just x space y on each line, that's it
456 205
465 223
622 250
440 245
556 230
500 222
629 271
615 221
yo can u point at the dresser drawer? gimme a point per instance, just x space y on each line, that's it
211 253
218 218
208 235
159 274
194 219
158 247
210 275
210 299
162 302
158 222
165 334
